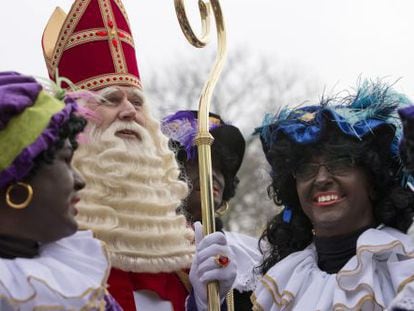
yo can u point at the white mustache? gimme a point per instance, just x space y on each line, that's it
116 126
130 126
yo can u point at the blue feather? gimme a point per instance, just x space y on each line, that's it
374 104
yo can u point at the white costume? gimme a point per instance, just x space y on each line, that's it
69 274
382 268
246 252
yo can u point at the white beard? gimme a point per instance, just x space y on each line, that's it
131 198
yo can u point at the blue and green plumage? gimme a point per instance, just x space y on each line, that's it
374 105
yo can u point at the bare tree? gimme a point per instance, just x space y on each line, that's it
248 88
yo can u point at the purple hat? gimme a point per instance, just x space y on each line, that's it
181 127
30 119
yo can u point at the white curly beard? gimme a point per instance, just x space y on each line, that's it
131 198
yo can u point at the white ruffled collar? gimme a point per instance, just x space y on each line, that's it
383 265
69 274
245 250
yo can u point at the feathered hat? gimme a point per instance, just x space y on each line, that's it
92 45
181 127
372 110
30 120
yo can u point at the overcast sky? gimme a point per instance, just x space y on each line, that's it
337 40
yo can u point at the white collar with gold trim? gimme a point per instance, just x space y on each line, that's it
69 274
382 267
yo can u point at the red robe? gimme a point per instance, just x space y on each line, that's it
168 286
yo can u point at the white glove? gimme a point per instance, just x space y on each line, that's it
205 268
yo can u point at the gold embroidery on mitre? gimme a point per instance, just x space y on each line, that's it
66 30
59 36
104 80
115 45
82 37
126 37
95 34
123 11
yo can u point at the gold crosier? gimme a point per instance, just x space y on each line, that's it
204 139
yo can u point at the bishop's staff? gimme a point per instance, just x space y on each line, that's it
204 139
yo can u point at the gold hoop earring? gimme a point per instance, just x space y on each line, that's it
223 209
26 202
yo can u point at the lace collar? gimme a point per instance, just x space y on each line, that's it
69 274
383 266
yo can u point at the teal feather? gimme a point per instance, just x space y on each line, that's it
373 100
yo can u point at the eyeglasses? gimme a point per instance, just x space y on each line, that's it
337 167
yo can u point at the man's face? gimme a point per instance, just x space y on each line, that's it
118 103
194 199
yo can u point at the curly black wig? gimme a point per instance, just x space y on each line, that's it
227 163
68 130
393 204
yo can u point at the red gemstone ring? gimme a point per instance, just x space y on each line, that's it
221 260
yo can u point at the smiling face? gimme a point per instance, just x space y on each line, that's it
119 104
194 199
51 213
337 198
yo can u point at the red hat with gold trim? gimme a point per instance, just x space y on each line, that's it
92 45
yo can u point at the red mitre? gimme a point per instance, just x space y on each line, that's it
92 46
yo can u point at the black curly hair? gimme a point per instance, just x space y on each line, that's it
393 204
69 130
226 162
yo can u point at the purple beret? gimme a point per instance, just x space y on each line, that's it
16 93
23 100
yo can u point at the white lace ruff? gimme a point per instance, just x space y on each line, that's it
246 252
69 274
382 268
